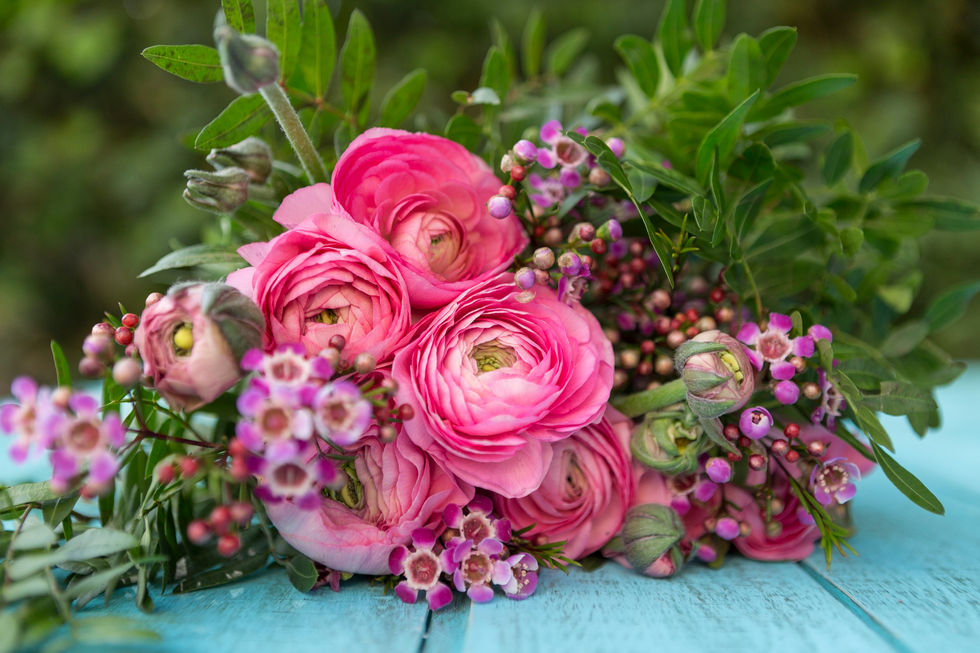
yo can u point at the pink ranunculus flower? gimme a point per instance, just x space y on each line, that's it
427 196
191 341
494 382
398 488
326 276
586 492
791 535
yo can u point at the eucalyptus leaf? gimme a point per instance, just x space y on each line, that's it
96 542
34 535
641 59
357 59
709 21
195 63
399 102
318 52
242 118
284 29
23 589
908 484
240 15
192 256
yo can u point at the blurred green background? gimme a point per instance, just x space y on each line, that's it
91 157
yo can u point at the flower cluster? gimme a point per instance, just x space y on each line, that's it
83 444
473 556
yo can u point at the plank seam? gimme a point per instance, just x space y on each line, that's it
858 610
425 631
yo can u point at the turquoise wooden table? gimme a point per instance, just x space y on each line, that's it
915 587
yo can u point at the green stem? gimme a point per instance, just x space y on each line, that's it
276 98
644 402
261 193
755 289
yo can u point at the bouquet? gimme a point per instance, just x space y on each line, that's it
652 322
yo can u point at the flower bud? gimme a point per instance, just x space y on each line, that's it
668 444
755 423
717 373
525 278
650 531
599 177
251 155
192 340
719 470
219 192
570 263
499 207
543 258
525 151
127 372
249 61
610 230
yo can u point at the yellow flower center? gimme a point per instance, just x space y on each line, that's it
327 316
183 339
728 358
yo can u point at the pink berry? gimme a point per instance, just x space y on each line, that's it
228 544
198 532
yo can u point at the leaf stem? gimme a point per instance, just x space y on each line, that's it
646 401
276 98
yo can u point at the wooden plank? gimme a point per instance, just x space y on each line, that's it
743 606
918 574
265 613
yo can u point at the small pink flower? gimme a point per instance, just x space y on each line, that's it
523 576
774 345
832 480
477 567
82 439
427 196
21 419
298 478
340 413
422 570
831 402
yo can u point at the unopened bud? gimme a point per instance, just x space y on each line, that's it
219 192
249 61
251 155
126 372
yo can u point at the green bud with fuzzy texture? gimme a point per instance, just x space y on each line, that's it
219 192
651 531
249 61
717 373
252 155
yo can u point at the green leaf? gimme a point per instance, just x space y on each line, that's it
110 630
284 29
800 92
722 137
950 306
35 536
302 573
669 177
748 208
709 21
532 44
234 570
561 53
22 589
908 484
9 631
62 370
905 338
97 582
195 63
746 68
485 95
793 132
837 161
240 15
672 34
402 98
462 129
641 59
96 542
951 214
242 118
864 416
24 493
900 398
192 256
55 513
357 64
318 53
889 166
776 44
851 239
495 73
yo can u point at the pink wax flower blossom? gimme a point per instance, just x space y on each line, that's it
21 419
427 196
327 276
298 478
287 366
523 576
191 341
774 344
274 424
831 402
494 381
563 151
80 439
340 413
422 570
393 489
586 491
832 480
548 190
477 522
476 567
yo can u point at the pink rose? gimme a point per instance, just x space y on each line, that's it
326 276
192 340
791 534
494 382
397 489
427 196
586 491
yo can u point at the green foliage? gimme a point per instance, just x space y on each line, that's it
195 63
242 118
